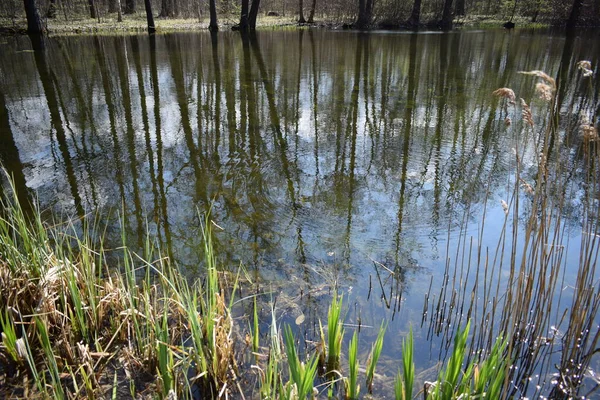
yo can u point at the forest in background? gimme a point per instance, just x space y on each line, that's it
443 14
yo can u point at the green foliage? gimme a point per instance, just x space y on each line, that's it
351 383
374 356
302 375
404 382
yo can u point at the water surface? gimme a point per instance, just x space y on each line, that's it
326 159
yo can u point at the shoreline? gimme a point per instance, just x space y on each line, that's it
137 24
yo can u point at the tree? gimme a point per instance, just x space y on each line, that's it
93 13
301 19
415 15
365 11
460 7
243 25
253 14
574 16
51 9
311 16
167 8
112 6
149 16
446 22
213 26
129 6
34 22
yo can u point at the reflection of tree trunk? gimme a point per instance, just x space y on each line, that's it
230 102
296 205
10 160
108 98
275 122
177 71
50 92
34 22
123 67
159 145
217 96
86 116
249 117
315 101
354 109
311 15
301 19
145 121
408 118
442 94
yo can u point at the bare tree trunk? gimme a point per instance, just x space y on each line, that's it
301 19
51 10
119 11
446 22
460 7
415 16
165 9
112 6
213 26
311 16
92 9
149 16
129 6
34 22
574 16
253 14
362 21
243 25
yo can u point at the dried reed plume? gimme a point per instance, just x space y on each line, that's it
526 112
527 187
588 132
585 67
542 75
506 93
544 91
504 206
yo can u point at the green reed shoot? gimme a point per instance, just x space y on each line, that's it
44 338
335 332
164 353
270 385
352 385
255 330
302 375
488 376
403 386
9 336
374 356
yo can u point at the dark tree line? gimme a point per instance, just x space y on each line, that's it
360 14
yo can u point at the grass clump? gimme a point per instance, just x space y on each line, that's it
73 324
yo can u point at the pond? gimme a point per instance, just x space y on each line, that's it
378 164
